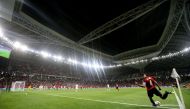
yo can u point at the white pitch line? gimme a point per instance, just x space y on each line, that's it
161 107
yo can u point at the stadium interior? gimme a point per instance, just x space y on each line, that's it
60 43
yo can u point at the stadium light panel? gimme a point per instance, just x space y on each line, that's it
186 50
72 61
118 65
20 46
30 50
112 66
45 54
5 38
57 58
96 66
83 64
24 48
1 32
17 45
37 52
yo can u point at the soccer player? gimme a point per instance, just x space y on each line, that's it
117 87
76 87
150 84
108 87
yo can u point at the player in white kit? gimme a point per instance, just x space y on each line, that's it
76 87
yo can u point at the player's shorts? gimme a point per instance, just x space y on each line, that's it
117 87
154 91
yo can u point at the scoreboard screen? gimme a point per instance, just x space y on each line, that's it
5 52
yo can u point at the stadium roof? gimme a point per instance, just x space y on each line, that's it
77 19
115 30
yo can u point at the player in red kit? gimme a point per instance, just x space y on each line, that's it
117 87
150 84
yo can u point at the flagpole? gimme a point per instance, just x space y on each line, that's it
178 100
180 93
176 76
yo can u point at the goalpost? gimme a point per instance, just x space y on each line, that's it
18 86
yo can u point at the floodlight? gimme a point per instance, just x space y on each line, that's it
96 66
45 54
118 65
73 61
127 63
5 38
57 58
24 48
186 49
1 32
17 44
83 64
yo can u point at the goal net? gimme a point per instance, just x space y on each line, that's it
18 86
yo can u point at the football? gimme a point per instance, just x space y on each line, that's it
157 103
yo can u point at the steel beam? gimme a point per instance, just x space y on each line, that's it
121 21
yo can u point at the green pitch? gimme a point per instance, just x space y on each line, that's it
126 98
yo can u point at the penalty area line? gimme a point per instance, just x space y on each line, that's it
112 102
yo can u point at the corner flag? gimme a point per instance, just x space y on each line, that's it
181 101
174 74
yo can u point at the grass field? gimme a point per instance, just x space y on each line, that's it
126 98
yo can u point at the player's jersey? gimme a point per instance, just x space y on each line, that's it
108 86
149 82
116 85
